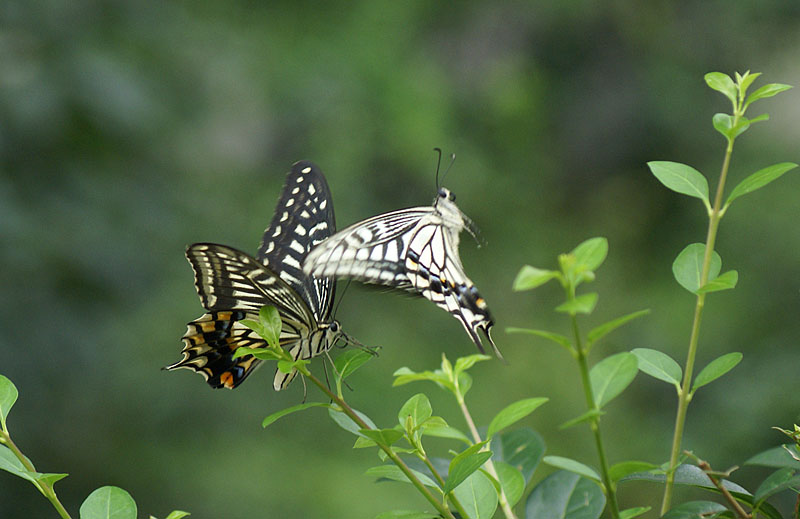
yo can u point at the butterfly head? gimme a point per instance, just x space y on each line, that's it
445 194
333 332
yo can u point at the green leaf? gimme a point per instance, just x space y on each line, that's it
382 436
685 475
759 179
573 466
404 376
440 429
583 304
344 421
271 324
10 463
513 413
765 91
695 510
745 81
394 473
688 266
178 514
625 468
776 457
565 495
777 482
722 83
590 254
555 337
531 277
406 514
630 513
478 496
108 503
289 410
758 119
464 363
715 369
50 479
255 326
8 395
288 366
601 331
585 417
612 375
418 407
724 281
512 481
463 466
348 362
730 127
363 443
521 448
464 382
659 365
682 179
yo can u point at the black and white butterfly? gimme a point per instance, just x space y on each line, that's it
233 286
413 249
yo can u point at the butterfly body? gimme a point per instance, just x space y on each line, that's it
413 249
233 286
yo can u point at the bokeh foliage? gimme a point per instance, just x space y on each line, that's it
130 129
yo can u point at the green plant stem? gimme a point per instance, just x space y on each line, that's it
583 364
47 490
737 508
476 437
685 395
452 497
440 507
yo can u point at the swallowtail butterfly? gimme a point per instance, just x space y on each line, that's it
233 286
413 249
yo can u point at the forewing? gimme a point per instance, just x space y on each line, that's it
303 219
228 279
372 251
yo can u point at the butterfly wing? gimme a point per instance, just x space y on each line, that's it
434 269
303 219
371 251
233 286
411 249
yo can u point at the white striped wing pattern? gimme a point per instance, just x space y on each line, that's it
412 249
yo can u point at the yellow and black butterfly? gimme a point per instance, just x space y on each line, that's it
233 286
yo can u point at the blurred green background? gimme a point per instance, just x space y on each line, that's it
131 129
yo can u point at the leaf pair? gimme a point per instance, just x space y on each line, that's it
686 180
661 366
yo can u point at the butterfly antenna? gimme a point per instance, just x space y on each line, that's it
333 367
341 296
438 164
452 160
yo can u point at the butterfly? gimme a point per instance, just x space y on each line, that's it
233 286
413 249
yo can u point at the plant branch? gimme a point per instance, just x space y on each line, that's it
440 507
453 499
46 489
595 421
476 437
740 512
684 395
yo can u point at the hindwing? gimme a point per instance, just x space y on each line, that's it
411 249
